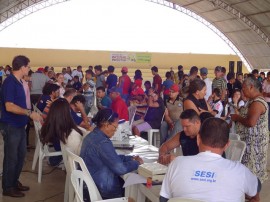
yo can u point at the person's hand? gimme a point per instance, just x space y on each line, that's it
165 158
137 158
171 126
35 116
202 110
79 105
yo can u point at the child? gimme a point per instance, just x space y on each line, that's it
147 86
88 93
77 84
216 103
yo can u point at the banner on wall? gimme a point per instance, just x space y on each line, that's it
131 57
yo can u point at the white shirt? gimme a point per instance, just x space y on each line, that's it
77 73
67 77
74 140
266 89
218 107
208 83
208 177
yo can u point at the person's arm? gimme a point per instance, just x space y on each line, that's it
254 112
114 162
168 119
15 109
166 147
190 105
85 123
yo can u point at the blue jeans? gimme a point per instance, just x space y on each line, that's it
14 154
166 134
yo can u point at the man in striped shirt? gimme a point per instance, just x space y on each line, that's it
219 82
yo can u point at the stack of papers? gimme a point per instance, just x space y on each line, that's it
156 171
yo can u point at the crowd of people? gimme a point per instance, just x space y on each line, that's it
183 107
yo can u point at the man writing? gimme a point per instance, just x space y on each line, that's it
207 176
15 116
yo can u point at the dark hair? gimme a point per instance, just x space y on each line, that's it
154 69
235 91
101 88
103 116
205 115
147 83
168 75
76 77
79 66
255 71
215 132
196 84
180 67
46 68
98 68
223 69
230 76
19 61
217 92
138 75
190 114
59 123
89 71
30 72
69 91
262 73
111 68
193 70
78 98
49 88
268 73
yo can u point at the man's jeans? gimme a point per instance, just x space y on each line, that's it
166 134
14 154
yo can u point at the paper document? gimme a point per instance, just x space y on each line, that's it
134 178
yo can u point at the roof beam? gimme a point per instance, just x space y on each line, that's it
221 4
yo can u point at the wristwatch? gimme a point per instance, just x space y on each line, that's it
29 112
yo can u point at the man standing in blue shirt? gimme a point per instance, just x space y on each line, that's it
111 79
15 116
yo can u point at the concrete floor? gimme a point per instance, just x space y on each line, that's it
51 189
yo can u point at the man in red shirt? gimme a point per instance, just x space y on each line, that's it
118 104
157 81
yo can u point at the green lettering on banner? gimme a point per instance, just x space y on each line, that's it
143 57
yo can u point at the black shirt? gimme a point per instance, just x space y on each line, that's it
189 145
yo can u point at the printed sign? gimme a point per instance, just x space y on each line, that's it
131 57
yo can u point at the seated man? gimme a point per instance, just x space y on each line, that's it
77 106
191 123
207 176
50 92
118 104
174 107
153 117
105 101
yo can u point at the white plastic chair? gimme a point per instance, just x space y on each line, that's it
78 178
69 191
76 162
234 136
151 133
183 200
236 150
41 151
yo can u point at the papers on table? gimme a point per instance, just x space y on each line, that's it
134 178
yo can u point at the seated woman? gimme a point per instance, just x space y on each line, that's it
101 159
154 114
59 126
